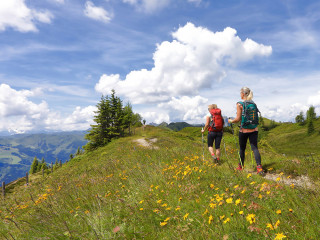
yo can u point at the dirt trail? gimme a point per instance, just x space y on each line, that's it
299 181
147 143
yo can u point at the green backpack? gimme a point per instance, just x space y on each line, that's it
250 117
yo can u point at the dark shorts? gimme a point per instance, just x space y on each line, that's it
214 137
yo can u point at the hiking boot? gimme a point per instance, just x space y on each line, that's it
239 168
259 169
218 161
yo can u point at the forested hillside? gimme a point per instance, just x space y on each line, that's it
18 151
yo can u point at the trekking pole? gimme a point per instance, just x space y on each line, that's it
202 146
252 159
236 145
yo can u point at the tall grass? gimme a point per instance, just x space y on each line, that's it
127 191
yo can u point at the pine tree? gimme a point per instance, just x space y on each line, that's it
43 165
111 120
300 119
310 127
311 115
127 117
99 133
34 165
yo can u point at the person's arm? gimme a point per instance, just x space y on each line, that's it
238 117
207 124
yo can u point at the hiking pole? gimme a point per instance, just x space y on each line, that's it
236 145
202 146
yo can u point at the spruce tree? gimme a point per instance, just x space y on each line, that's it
300 119
99 133
311 115
127 117
34 166
310 127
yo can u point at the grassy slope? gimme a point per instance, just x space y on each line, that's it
126 191
293 140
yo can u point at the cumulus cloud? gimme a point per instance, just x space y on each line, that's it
156 117
97 13
194 60
189 109
148 6
314 100
19 114
17 15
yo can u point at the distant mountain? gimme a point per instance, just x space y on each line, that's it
177 126
18 151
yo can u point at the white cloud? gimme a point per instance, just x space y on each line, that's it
15 14
193 61
314 100
148 6
97 13
19 114
156 117
189 109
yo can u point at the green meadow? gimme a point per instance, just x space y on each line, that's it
170 189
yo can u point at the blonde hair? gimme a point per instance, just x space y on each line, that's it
212 106
247 92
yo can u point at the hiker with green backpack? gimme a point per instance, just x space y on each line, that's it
247 114
214 124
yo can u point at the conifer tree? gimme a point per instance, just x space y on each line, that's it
43 164
34 166
311 115
111 120
310 127
300 119
127 117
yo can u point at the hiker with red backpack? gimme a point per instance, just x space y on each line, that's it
214 124
247 114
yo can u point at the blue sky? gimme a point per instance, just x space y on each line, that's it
169 58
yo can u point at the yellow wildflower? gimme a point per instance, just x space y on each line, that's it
222 217
163 223
177 208
141 209
249 175
238 201
185 216
205 212
167 219
227 220
278 211
241 212
229 200
269 225
141 201
280 236
251 218
210 219
276 225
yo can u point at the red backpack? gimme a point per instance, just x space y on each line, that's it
216 120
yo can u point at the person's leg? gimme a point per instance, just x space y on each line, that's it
253 139
243 138
210 143
217 144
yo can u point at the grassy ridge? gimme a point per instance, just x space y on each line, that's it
293 139
127 191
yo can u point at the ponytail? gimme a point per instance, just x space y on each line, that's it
247 92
